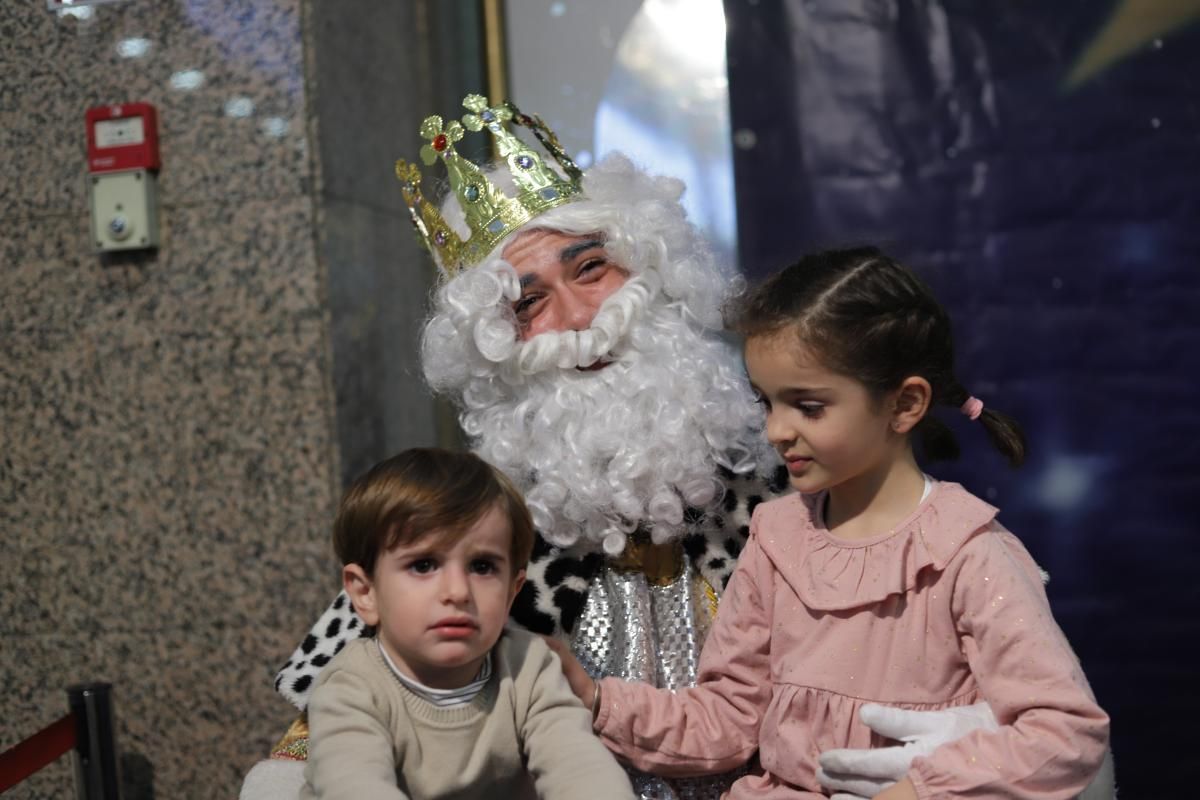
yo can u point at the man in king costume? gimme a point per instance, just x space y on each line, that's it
578 329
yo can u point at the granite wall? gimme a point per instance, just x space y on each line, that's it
174 425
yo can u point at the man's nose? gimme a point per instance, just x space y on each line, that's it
575 311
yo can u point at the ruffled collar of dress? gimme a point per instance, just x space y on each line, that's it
832 574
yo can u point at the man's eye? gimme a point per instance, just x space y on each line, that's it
525 303
422 566
591 265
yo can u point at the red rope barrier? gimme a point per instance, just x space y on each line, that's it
27 757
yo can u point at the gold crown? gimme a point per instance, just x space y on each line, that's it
491 214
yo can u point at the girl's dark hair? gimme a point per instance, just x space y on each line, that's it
870 318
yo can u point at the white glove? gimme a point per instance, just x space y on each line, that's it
866 773
273 779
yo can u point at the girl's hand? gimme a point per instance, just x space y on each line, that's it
904 790
581 683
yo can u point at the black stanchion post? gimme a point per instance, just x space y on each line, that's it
97 776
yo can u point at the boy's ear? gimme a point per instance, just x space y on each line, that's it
911 404
362 593
517 583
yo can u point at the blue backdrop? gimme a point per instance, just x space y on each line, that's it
1038 164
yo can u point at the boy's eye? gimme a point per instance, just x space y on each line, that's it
422 566
483 566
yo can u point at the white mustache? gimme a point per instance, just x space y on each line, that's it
573 349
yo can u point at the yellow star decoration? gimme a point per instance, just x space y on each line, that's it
1132 25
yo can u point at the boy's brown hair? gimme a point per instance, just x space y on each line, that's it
420 491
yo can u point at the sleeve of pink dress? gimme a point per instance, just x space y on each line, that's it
1053 736
713 726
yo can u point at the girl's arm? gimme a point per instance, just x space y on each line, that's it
712 727
1053 736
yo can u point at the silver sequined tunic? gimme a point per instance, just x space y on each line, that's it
633 629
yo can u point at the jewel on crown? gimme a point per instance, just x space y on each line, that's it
490 213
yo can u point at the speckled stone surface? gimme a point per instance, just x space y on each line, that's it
168 459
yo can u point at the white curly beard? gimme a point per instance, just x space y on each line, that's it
600 453
631 445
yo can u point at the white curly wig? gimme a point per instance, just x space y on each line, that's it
601 453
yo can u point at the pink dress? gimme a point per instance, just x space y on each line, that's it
945 610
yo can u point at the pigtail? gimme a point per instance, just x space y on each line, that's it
1002 430
1006 435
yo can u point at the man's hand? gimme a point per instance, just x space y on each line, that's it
581 683
866 773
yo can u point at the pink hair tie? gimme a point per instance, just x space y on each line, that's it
973 407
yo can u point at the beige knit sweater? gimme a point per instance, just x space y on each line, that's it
523 736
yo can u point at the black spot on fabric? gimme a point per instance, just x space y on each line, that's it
352 624
779 480
716 564
733 547
526 614
693 515
334 628
570 605
744 531
288 664
541 548
278 681
368 630
718 521
725 580
301 665
592 563
726 473
730 500
302 683
309 643
752 503
339 602
320 661
562 568
694 546
339 647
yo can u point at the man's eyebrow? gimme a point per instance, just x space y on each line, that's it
570 251
565 256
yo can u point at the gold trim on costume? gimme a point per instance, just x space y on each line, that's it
662 564
294 744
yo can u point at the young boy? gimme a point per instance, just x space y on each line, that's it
443 701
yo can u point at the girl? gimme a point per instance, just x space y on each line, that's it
873 583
